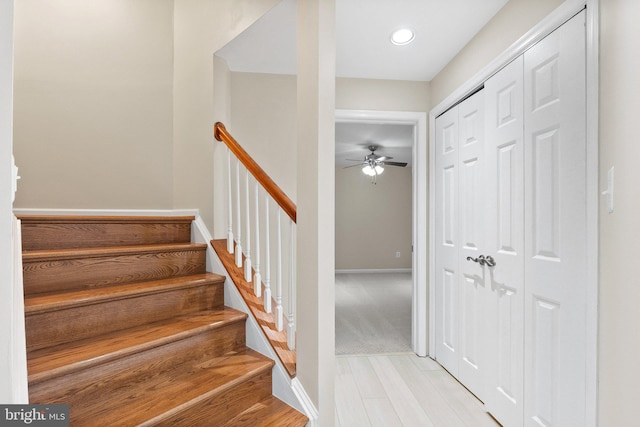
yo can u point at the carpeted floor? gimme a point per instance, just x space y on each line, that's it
373 313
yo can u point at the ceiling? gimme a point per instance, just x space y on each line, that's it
363 50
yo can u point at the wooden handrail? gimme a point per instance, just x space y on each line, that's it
285 203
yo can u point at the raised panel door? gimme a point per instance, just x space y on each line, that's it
504 223
447 238
555 228
472 278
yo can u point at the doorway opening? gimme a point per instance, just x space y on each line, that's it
417 123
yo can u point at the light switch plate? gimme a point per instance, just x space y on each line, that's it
609 191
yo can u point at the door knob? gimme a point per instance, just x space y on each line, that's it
482 260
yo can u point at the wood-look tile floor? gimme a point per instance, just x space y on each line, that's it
390 390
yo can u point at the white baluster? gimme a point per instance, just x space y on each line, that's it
230 204
257 279
267 257
247 252
239 234
279 275
291 330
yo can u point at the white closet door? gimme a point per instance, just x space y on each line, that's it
471 285
447 240
555 224
505 234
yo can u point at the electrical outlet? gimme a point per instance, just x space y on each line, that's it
398 254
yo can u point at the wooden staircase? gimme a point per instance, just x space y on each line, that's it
124 324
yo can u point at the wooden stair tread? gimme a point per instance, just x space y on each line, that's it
139 404
269 412
62 300
63 359
109 251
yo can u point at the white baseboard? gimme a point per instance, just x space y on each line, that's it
374 271
309 408
106 212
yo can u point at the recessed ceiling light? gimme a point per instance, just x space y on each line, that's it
402 36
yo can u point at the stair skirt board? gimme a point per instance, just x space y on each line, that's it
284 388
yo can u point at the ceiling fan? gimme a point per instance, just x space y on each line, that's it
373 164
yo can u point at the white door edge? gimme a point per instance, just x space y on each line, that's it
419 328
560 15
592 52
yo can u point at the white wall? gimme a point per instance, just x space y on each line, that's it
93 103
619 371
373 222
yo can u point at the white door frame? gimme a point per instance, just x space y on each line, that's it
563 13
419 305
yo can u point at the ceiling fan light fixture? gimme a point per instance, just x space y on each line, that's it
372 171
402 36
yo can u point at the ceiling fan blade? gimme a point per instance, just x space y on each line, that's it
353 166
401 164
354 160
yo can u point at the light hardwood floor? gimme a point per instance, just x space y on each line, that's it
402 390
395 388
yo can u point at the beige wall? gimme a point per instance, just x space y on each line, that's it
222 107
508 25
376 95
263 115
316 52
114 101
201 28
382 95
263 120
373 222
93 103
619 371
